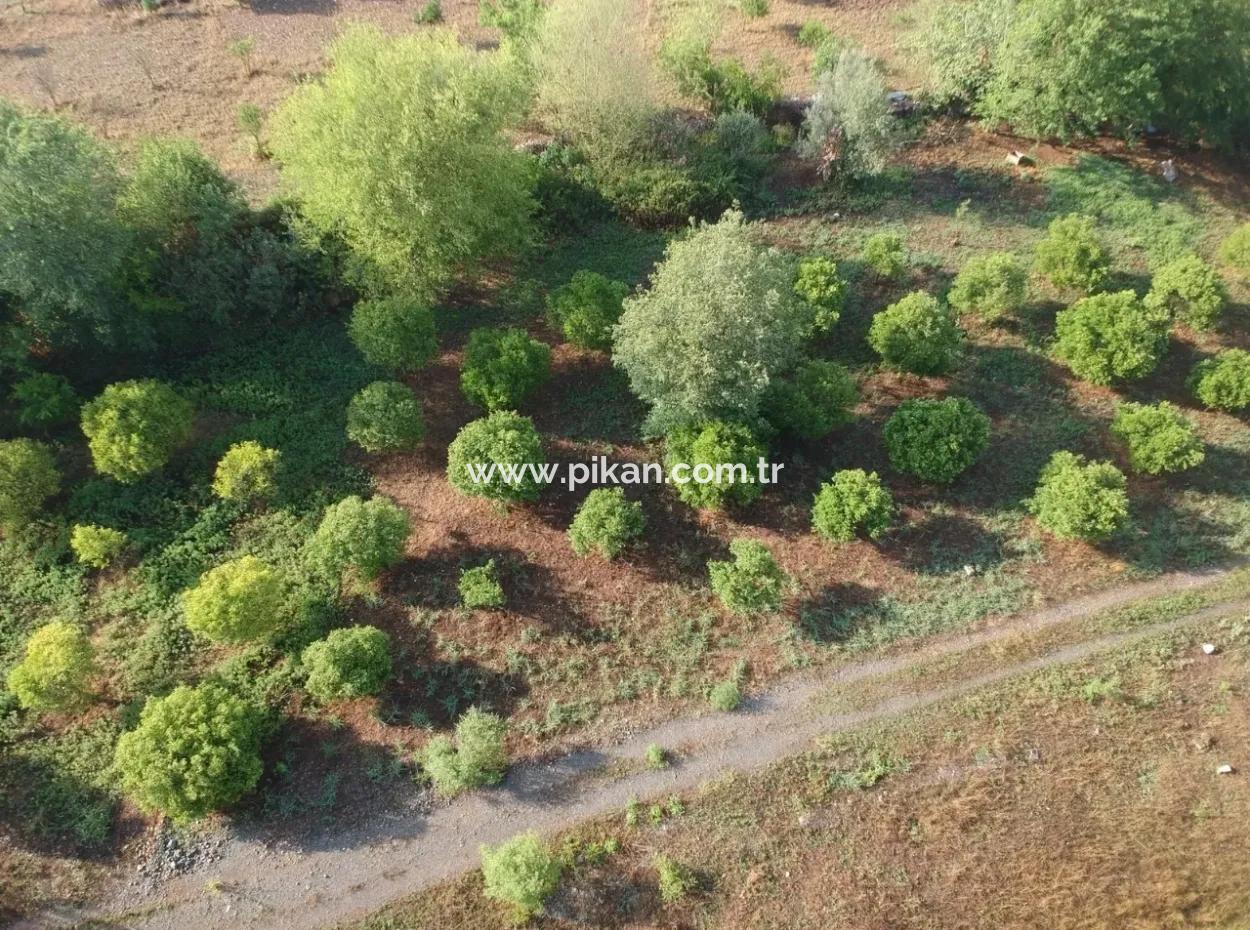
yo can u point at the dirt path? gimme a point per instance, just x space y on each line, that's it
355 868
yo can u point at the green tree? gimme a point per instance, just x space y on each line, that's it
385 416
96 546
53 672
851 502
394 332
1188 290
848 126
477 756
751 581
917 334
1079 499
1223 382
238 601
28 477
521 872
886 254
818 283
1159 438
814 402
367 536
194 751
606 522
502 438
350 662
45 400
586 309
957 43
246 472
401 150
1110 337
134 427
719 464
936 440
1072 255
990 286
503 366
479 587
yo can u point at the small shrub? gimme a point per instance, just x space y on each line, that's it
1235 250
396 333
385 416
133 428
718 464
501 439
429 14
480 587
725 696
675 880
236 602
96 546
28 477
521 872
476 758
194 751
751 582
248 471
819 285
657 757
53 672
1223 382
936 440
815 402
1159 438
606 522
518 20
885 254
1188 290
351 662
754 9
502 366
722 86
251 120
813 33
1072 255
851 502
990 286
45 400
365 536
1110 337
586 309
1078 499
916 334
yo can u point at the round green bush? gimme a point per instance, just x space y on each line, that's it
1078 499
45 400
396 333
133 428
819 285
350 662
367 536
1159 438
521 873
194 751
480 587
586 309
236 602
936 440
1072 255
812 33
885 254
477 756
990 286
28 477
385 416
55 666
248 471
1223 382
916 334
714 465
852 502
503 438
606 522
1235 250
751 582
502 366
1110 337
96 546
815 402
1188 290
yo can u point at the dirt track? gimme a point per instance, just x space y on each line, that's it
357 868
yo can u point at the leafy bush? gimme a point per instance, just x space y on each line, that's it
586 309
96 546
350 662
725 696
503 438
400 149
1159 438
365 536
1078 499
1235 250
714 465
936 440
518 20
606 522
813 33
194 751
394 332
851 502
885 254
28 477
718 323
1110 337
385 416
1072 255
1188 290
53 672
502 366
476 758
236 602
958 42
721 85
134 427
1223 382
45 400
815 402
751 582
917 334
429 14
819 284
480 587
754 9
848 126
990 286
675 880
248 471
521 872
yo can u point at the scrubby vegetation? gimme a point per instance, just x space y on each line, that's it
852 502
476 757
349 663
1078 499
751 581
916 334
606 522
937 440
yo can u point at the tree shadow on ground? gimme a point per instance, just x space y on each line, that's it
826 616
946 543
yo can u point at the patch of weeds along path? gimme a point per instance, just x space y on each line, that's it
369 860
